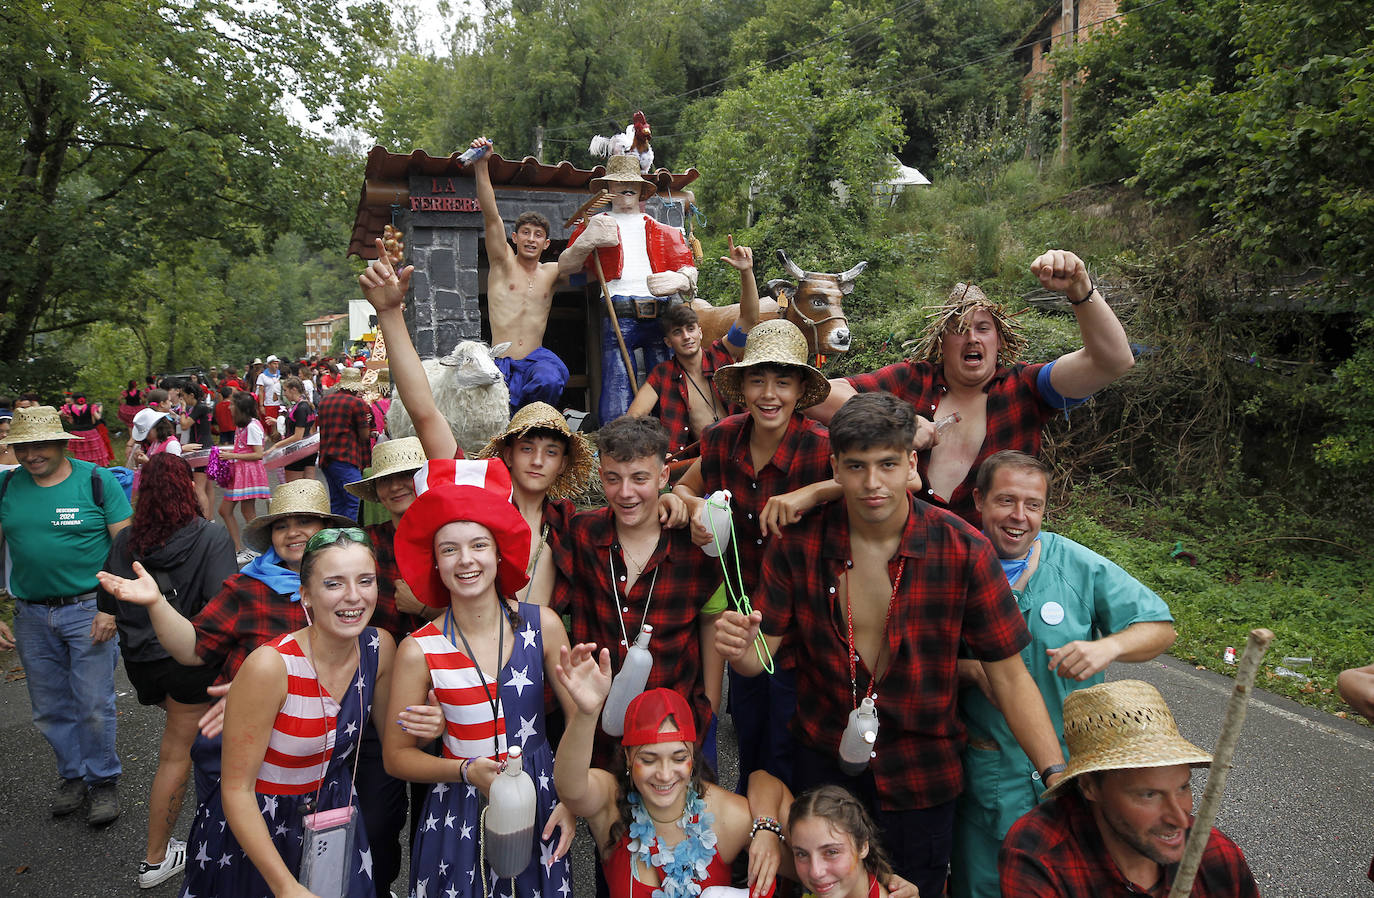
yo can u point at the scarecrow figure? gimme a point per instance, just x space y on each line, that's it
643 266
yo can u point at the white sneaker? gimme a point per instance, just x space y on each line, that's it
150 875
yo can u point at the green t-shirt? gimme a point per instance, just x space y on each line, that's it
57 536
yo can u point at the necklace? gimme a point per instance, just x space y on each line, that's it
853 652
710 400
682 865
615 594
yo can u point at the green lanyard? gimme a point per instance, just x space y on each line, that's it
736 592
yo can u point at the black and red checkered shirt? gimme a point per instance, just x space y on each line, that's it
669 380
686 578
801 459
387 617
245 615
345 423
952 593
1056 851
1016 415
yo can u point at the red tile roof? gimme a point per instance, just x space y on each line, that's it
386 181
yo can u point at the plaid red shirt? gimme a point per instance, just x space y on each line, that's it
1016 416
670 603
669 380
386 616
952 593
802 458
1056 851
345 424
245 615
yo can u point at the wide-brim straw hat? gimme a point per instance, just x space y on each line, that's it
623 170
452 490
36 424
1122 725
351 379
299 497
581 460
775 342
403 456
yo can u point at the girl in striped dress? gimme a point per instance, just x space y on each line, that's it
462 546
291 728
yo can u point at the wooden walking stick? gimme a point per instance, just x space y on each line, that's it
604 197
1231 727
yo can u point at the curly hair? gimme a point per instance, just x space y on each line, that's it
166 503
624 785
845 814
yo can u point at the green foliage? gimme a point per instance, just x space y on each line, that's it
134 129
978 143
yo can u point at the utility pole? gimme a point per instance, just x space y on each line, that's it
539 142
1066 29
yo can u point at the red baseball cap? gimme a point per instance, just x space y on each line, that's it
647 712
451 490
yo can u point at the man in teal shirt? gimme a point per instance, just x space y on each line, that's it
1083 613
58 516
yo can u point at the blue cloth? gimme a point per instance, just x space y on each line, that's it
216 865
444 858
762 708
268 569
337 474
643 334
1050 395
71 687
538 377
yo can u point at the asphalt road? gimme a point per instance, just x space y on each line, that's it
1300 800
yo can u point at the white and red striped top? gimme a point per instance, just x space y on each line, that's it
302 740
458 687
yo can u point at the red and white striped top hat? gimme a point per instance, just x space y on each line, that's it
449 490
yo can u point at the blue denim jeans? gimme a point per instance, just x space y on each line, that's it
341 501
71 687
644 335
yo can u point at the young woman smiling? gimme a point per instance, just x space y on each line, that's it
835 846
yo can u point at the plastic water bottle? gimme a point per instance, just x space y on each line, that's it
628 683
472 154
509 829
856 745
715 517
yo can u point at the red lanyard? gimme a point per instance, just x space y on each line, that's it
849 615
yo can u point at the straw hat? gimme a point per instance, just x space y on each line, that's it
299 497
1119 726
36 424
402 456
577 473
776 342
623 170
461 490
351 379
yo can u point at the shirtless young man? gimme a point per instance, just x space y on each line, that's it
967 364
681 392
519 296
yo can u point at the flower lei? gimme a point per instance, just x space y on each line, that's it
684 863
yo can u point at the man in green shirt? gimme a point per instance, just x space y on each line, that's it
58 516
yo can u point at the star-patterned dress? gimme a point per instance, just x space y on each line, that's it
445 858
216 867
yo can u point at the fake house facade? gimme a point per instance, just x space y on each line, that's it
433 200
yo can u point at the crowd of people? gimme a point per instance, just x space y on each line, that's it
884 531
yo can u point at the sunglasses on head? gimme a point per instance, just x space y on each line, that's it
330 535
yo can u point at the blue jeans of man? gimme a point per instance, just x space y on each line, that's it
341 501
643 334
71 687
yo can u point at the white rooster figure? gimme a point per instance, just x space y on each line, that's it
634 141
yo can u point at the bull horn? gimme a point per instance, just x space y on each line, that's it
791 267
847 278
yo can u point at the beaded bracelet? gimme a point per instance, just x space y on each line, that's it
463 771
769 824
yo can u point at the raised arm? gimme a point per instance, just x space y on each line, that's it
1106 353
742 259
385 289
585 677
499 252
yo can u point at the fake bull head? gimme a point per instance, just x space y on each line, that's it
814 303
